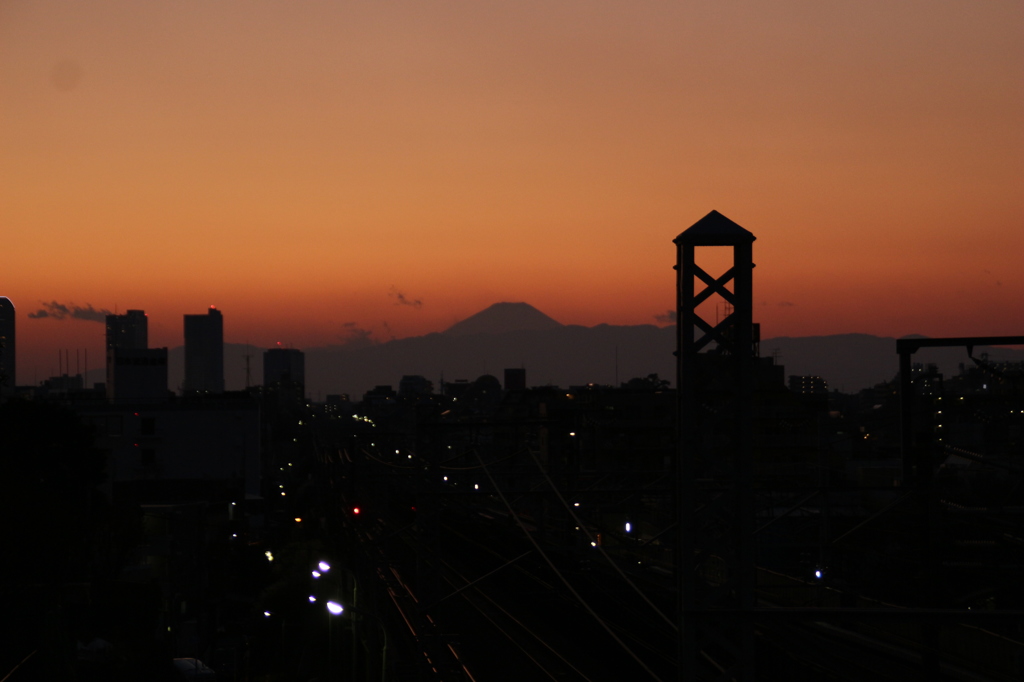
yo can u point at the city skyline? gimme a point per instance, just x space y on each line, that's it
325 172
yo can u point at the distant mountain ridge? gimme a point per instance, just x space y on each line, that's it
518 335
502 318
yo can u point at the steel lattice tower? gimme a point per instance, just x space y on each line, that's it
715 366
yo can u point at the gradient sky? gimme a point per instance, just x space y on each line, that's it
312 168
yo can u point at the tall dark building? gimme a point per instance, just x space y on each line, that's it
285 368
124 332
130 330
136 373
7 364
204 352
515 379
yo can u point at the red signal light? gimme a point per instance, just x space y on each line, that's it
355 510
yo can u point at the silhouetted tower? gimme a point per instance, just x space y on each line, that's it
130 330
715 364
204 352
7 356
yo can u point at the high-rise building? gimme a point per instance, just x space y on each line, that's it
130 330
124 332
285 368
7 364
204 352
136 373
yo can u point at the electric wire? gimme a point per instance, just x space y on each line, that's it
476 588
509 637
547 586
565 582
515 620
582 526
475 466
15 668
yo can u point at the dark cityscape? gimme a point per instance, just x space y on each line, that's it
730 522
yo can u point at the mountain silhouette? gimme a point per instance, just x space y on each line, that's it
501 318
518 335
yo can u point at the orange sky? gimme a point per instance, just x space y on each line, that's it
299 165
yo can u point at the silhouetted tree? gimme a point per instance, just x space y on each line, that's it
651 382
484 393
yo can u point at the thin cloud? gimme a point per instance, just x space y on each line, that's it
61 311
402 299
669 317
786 304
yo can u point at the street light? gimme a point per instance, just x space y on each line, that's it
336 609
324 566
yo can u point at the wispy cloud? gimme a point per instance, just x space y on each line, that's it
61 311
668 317
402 299
786 304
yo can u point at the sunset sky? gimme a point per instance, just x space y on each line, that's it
314 168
